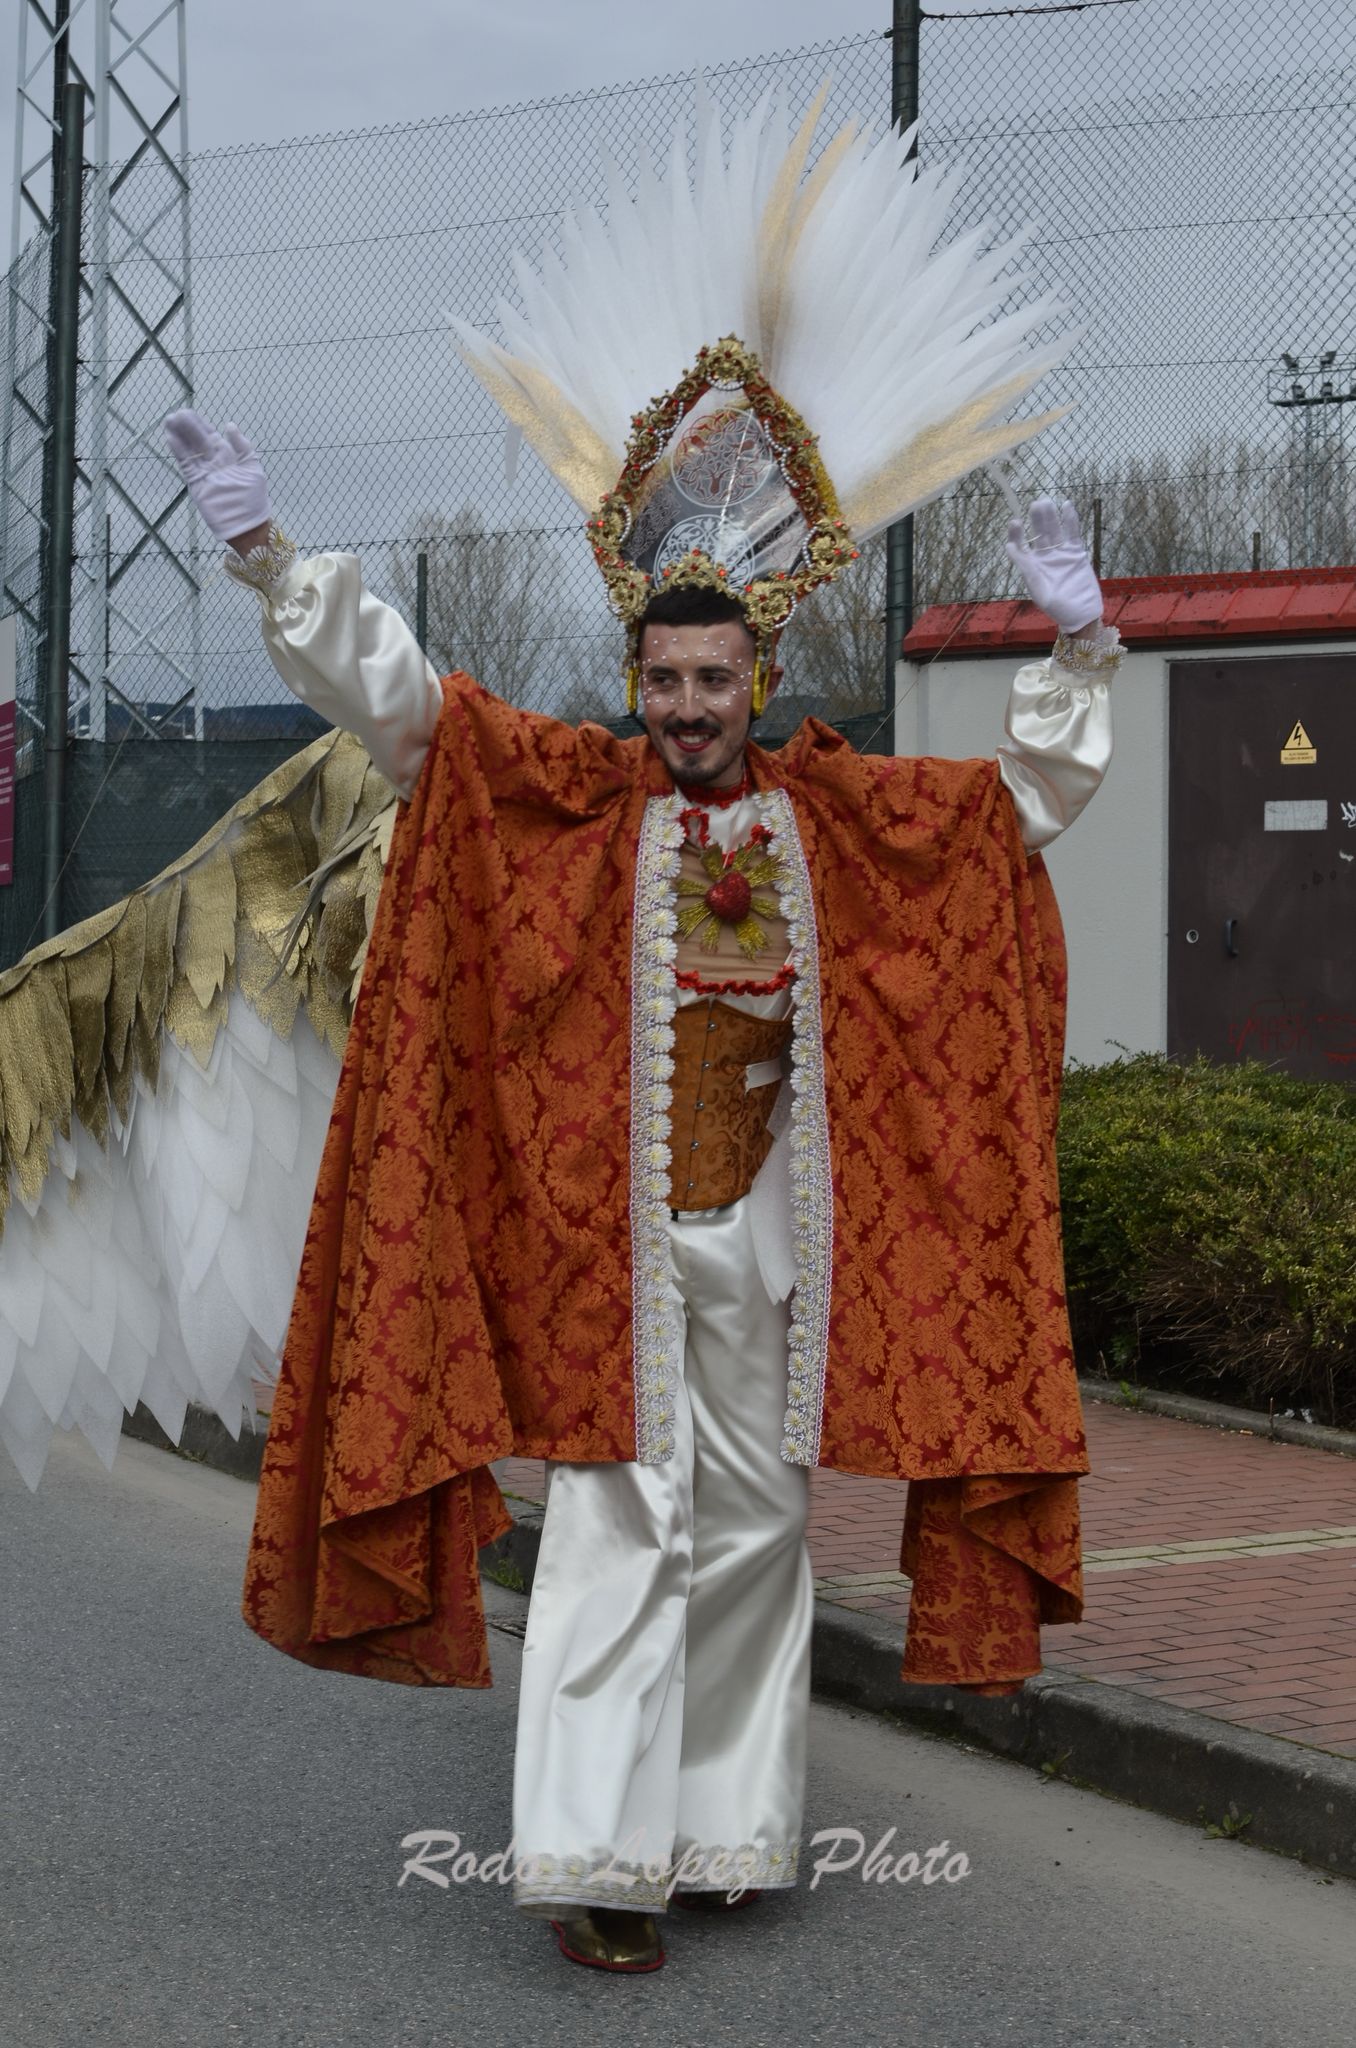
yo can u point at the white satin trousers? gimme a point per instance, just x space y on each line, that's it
666 1664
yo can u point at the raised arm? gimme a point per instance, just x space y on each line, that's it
341 650
1058 720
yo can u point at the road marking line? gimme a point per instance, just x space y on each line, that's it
1206 1550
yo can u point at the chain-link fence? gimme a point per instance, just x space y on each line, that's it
324 275
1191 165
1189 161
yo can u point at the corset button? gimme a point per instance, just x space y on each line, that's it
701 1105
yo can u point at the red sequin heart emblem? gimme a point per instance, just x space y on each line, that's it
730 897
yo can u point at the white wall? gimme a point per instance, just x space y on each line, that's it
1110 870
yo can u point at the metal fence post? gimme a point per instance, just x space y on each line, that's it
421 597
899 537
58 539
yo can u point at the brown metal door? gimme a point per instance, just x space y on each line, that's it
1262 862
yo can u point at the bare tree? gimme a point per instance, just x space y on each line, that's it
833 650
494 602
958 546
1196 514
501 607
500 604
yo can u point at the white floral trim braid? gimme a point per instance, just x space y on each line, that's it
264 566
753 1866
654 998
542 1882
554 1881
1099 655
811 1179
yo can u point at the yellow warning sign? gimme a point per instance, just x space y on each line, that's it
1299 750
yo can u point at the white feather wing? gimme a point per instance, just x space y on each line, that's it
156 1262
161 1269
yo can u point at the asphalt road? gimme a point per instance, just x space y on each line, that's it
201 1845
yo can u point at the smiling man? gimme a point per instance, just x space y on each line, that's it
696 1121
696 676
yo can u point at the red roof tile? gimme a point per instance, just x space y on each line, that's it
1159 611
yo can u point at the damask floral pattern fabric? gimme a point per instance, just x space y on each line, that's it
466 1291
991 1558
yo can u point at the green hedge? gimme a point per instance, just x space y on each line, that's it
1210 1228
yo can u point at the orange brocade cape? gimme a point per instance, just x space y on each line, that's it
466 1288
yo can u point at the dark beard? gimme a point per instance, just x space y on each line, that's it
691 772
697 778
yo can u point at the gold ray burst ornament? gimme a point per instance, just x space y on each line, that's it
728 897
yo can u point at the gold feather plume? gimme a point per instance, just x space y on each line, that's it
81 1015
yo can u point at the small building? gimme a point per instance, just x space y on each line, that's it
1209 891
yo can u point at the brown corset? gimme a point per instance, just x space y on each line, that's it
719 1124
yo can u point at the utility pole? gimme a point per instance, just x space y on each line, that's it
137 579
59 491
1314 395
904 38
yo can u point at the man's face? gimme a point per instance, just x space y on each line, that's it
696 685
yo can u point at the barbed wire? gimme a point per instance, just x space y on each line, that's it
1056 7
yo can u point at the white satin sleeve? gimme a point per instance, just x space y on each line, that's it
1058 747
355 661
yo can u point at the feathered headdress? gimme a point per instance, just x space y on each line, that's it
826 363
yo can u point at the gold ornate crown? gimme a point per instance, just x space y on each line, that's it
723 492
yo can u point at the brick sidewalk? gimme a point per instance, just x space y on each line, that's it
1220 1570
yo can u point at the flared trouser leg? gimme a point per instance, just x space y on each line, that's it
666 1663
750 1603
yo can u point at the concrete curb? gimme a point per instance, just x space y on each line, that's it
205 1440
1312 1436
1278 1794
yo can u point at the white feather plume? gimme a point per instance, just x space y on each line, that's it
888 339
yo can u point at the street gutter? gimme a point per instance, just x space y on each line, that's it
1263 1789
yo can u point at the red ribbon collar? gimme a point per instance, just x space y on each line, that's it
709 799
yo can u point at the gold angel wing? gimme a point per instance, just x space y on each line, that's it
166 1073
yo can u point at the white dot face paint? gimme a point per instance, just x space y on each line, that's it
672 655
695 691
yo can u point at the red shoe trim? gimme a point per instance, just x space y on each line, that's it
597 1963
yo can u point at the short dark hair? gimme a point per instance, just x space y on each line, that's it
692 606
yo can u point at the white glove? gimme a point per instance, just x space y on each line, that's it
1056 567
225 477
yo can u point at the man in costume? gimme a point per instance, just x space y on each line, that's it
696 1122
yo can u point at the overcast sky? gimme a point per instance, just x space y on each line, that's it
265 70
1188 161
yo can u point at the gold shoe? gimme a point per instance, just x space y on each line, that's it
610 1938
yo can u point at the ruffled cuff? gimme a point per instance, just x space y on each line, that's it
265 568
1098 654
